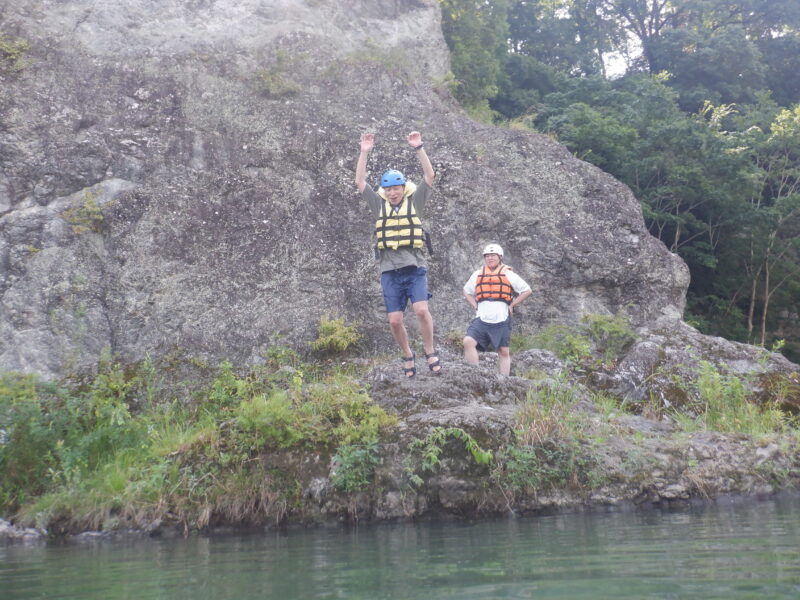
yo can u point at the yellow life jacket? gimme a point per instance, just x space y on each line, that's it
494 285
401 228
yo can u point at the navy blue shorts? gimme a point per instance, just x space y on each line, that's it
404 284
494 335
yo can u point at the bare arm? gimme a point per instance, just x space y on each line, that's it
471 300
519 299
367 143
415 141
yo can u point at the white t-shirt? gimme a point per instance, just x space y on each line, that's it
495 311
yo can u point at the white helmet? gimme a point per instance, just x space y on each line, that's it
493 249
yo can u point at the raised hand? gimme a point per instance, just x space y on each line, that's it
414 138
367 142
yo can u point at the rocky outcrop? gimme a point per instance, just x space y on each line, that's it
555 436
617 460
177 178
663 365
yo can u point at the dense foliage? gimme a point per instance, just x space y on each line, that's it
130 448
692 103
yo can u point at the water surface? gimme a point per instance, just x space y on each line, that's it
731 551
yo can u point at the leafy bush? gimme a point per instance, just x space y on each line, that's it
11 53
270 420
119 448
354 466
227 390
53 435
567 343
85 216
430 448
725 406
335 335
331 412
559 462
547 451
612 335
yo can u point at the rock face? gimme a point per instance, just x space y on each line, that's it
626 461
177 175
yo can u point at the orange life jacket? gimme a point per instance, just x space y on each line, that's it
494 285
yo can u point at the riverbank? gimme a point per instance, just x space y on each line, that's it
298 442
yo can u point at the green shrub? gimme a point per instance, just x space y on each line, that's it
354 466
567 343
430 448
29 439
77 455
270 419
612 335
86 216
52 435
274 79
227 390
557 463
725 406
11 53
337 411
340 411
335 335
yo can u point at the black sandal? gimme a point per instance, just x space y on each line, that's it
437 363
407 370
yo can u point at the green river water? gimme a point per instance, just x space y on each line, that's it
732 550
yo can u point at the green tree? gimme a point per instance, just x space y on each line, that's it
569 35
720 66
675 164
772 227
476 32
526 80
781 56
690 127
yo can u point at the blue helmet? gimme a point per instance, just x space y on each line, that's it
391 178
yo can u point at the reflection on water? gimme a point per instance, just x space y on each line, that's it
745 550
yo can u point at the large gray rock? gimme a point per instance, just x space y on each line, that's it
12 533
178 176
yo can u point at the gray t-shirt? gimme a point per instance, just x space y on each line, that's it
402 257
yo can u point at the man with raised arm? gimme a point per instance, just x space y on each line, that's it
398 208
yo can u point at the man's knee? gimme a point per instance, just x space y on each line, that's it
395 319
470 343
503 352
421 309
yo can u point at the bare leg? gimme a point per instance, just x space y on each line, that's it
425 321
400 335
470 350
504 360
